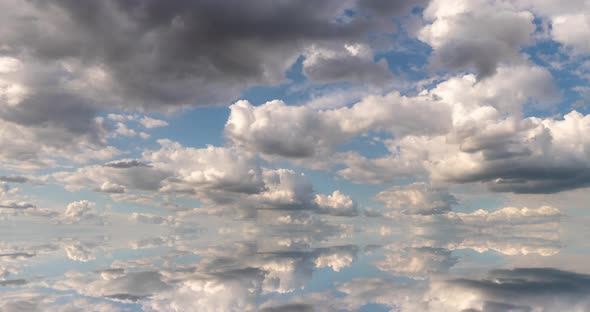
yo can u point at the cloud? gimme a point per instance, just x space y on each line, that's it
211 168
152 58
82 211
571 30
126 163
14 179
336 204
528 156
385 7
524 289
29 148
290 307
275 128
11 204
417 198
279 130
138 284
225 291
174 58
417 263
129 174
489 141
150 123
520 289
478 35
510 230
345 62
109 187
567 22
226 180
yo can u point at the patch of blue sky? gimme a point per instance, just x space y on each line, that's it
566 70
408 61
362 267
324 279
473 261
369 145
374 307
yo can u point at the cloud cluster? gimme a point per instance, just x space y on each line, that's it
418 198
275 128
225 179
159 56
478 135
475 35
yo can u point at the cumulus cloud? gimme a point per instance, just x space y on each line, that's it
509 231
225 179
417 263
109 187
128 175
478 35
275 128
210 168
199 69
568 21
418 198
336 204
128 286
56 83
519 289
28 148
489 141
81 211
524 289
345 62
572 31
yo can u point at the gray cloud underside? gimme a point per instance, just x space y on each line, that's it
180 52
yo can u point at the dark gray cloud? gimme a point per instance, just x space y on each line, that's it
16 205
530 177
527 289
13 282
67 61
346 62
390 7
52 109
290 307
475 35
126 163
14 179
156 54
17 255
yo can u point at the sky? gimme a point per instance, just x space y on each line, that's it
294 155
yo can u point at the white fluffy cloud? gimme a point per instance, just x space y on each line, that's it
275 128
225 179
213 168
572 30
336 204
418 199
149 122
